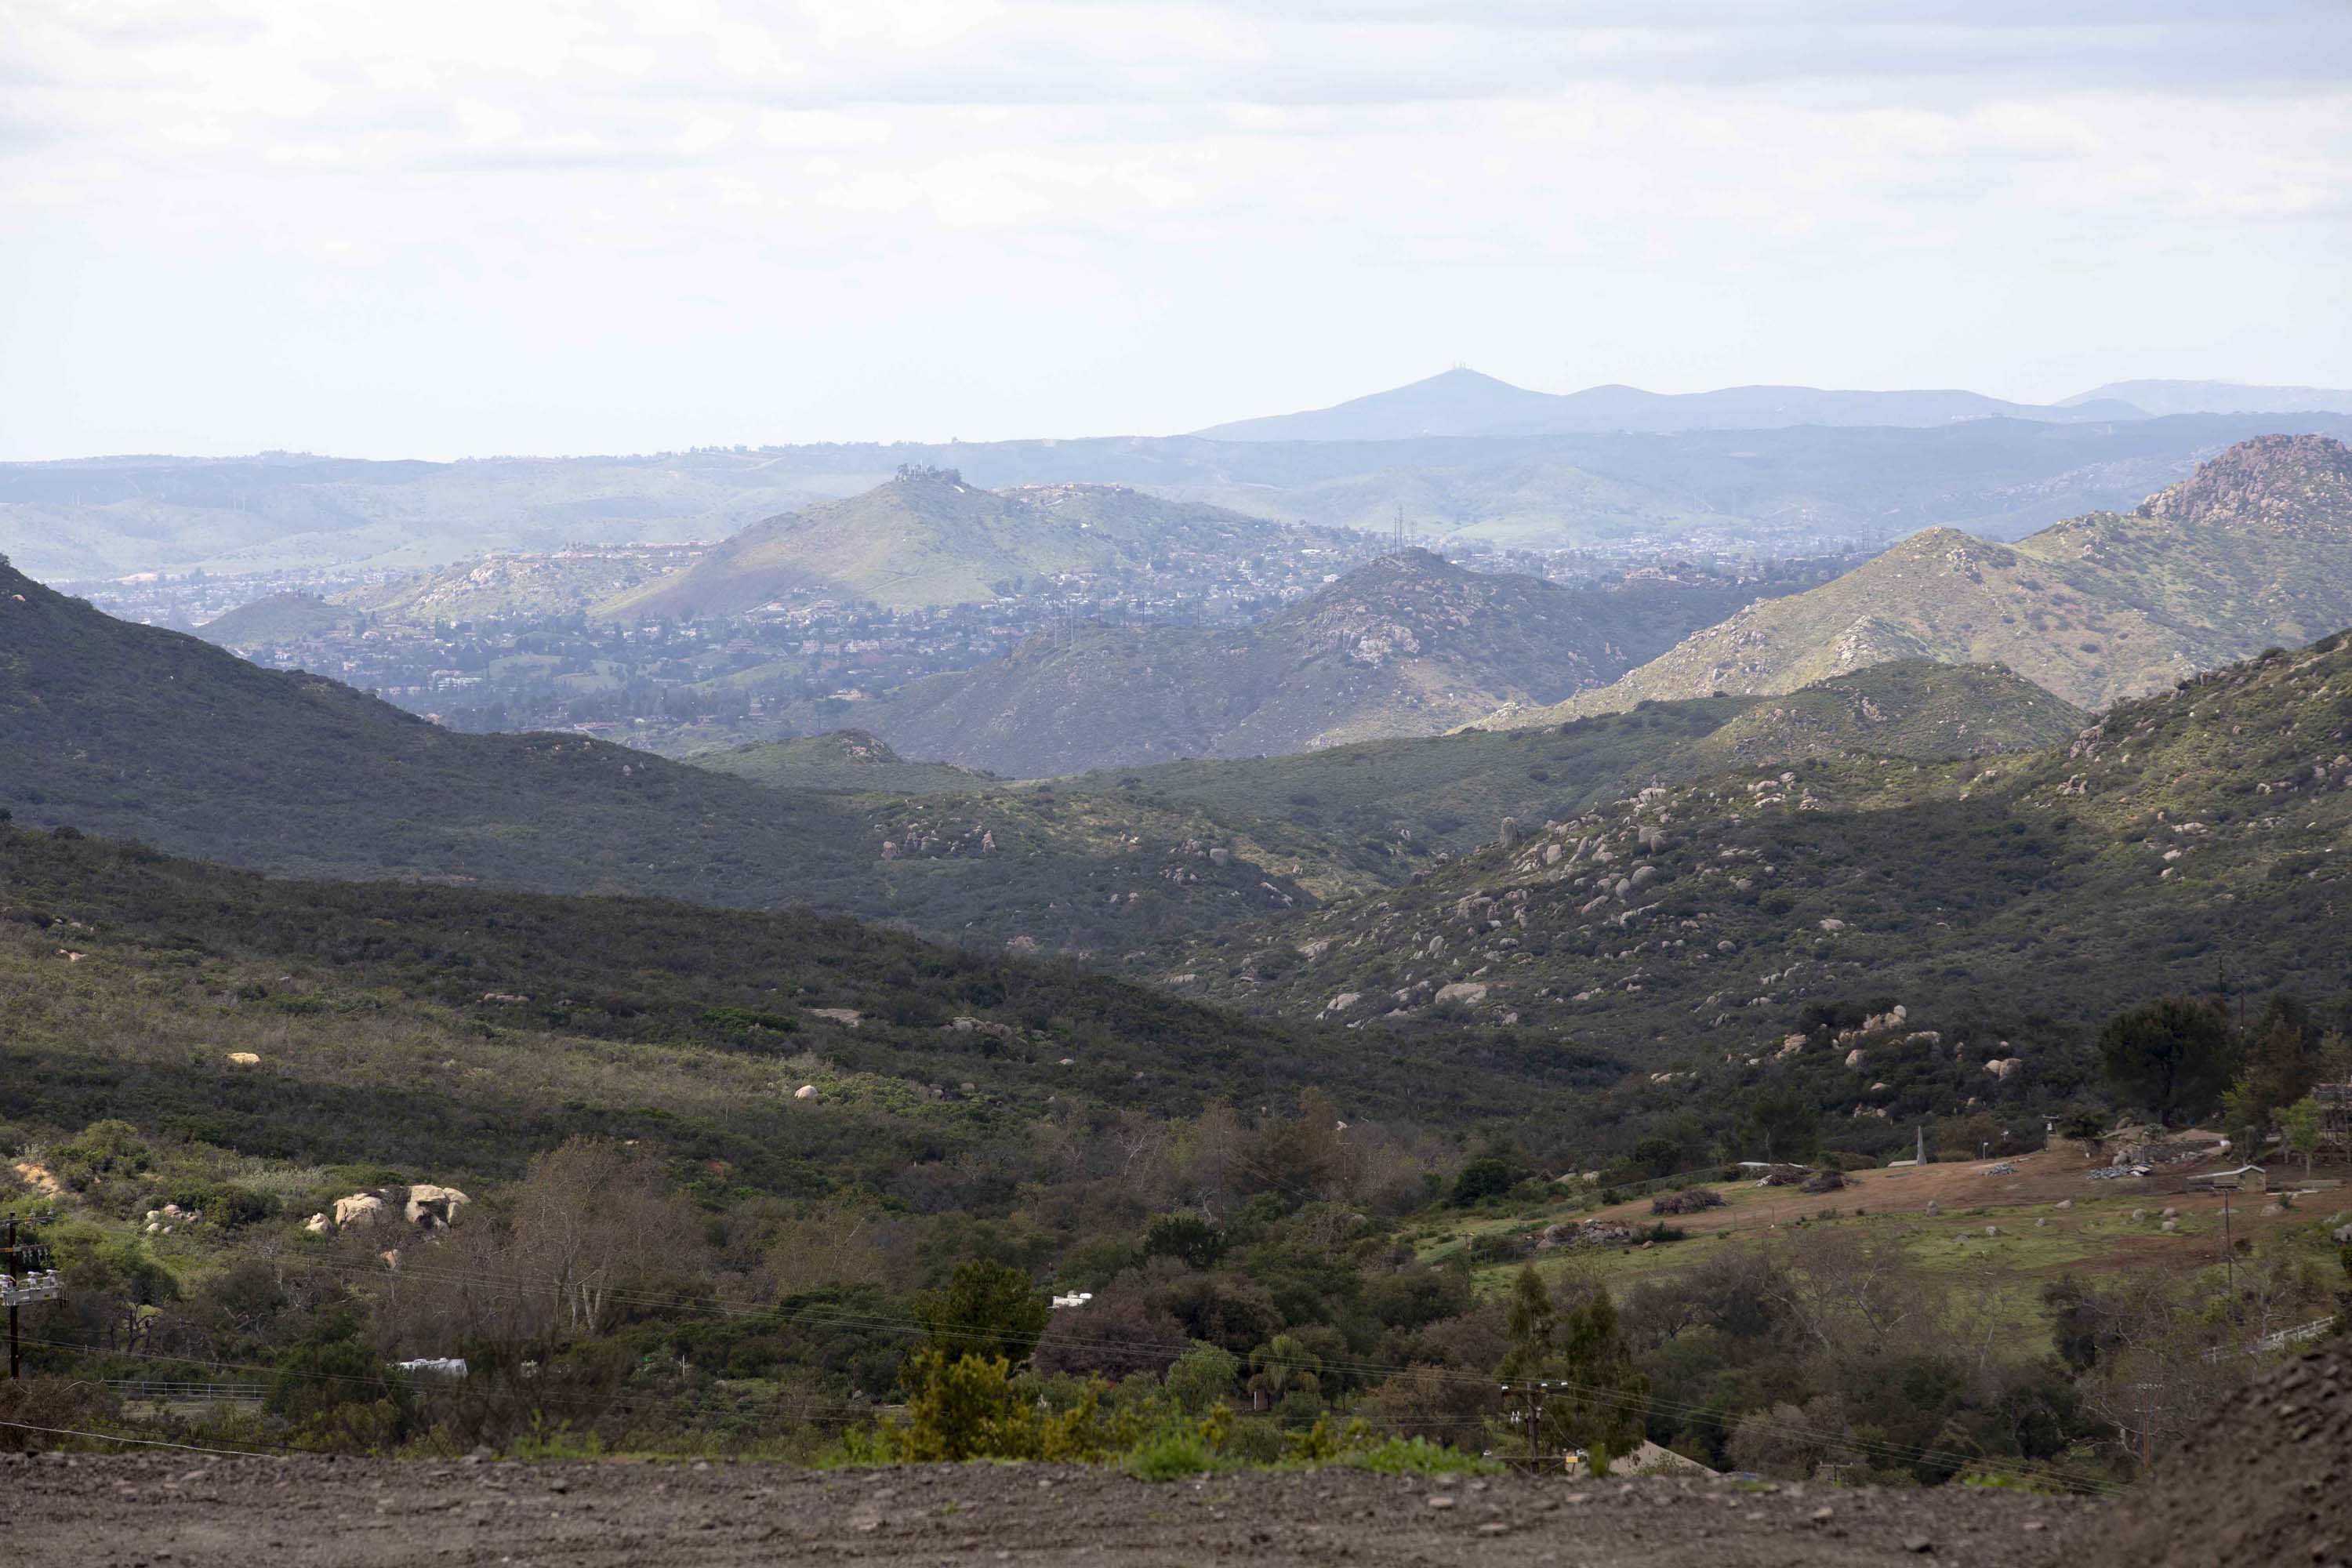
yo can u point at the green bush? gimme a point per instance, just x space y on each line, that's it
1172 1452
1414 1457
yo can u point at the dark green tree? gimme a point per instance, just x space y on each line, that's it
1193 1239
1487 1176
987 1309
1779 1124
2168 1056
1596 1399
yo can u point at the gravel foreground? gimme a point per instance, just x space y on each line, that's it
183 1511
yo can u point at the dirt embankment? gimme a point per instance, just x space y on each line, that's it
2267 1480
178 1510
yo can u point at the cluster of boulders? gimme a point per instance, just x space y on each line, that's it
162 1221
944 839
1689 1200
1584 1233
423 1207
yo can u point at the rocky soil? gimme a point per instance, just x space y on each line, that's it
184 1511
2267 1480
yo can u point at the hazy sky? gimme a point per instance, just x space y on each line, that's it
436 229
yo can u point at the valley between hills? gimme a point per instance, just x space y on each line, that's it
1400 977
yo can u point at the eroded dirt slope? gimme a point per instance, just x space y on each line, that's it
181 1511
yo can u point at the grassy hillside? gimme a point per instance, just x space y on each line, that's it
132 731
520 587
1912 707
928 538
1446 794
1406 646
2201 835
845 762
1533 504
278 618
2253 550
404 1023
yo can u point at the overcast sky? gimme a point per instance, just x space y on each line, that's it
466 226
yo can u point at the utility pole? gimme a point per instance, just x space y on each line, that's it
25 1277
2228 1249
1534 1392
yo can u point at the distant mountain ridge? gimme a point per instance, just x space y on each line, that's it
1463 402
2003 478
2253 549
2162 397
1408 645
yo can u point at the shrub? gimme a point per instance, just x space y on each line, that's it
1488 1176
1191 1239
1200 1377
1414 1457
1174 1451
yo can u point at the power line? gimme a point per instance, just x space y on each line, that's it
142 1442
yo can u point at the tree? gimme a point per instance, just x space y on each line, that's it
963 1407
1281 1364
2301 1125
1190 1238
2169 1054
1202 1377
987 1309
587 1213
1117 1336
1599 1399
1656 1155
1485 1177
1781 1124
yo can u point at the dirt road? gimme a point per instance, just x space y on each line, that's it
176 1510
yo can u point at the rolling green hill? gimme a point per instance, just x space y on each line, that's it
2253 550
845 762
521 586
2201 835
1405 646
444 1030
132 731
279 618
1913 708
1444 795
1534 504
928 538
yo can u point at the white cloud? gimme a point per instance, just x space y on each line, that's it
447 227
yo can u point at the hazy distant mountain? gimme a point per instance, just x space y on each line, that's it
929 538
1406 646
1465 402
2253 550
2159 397
106 518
